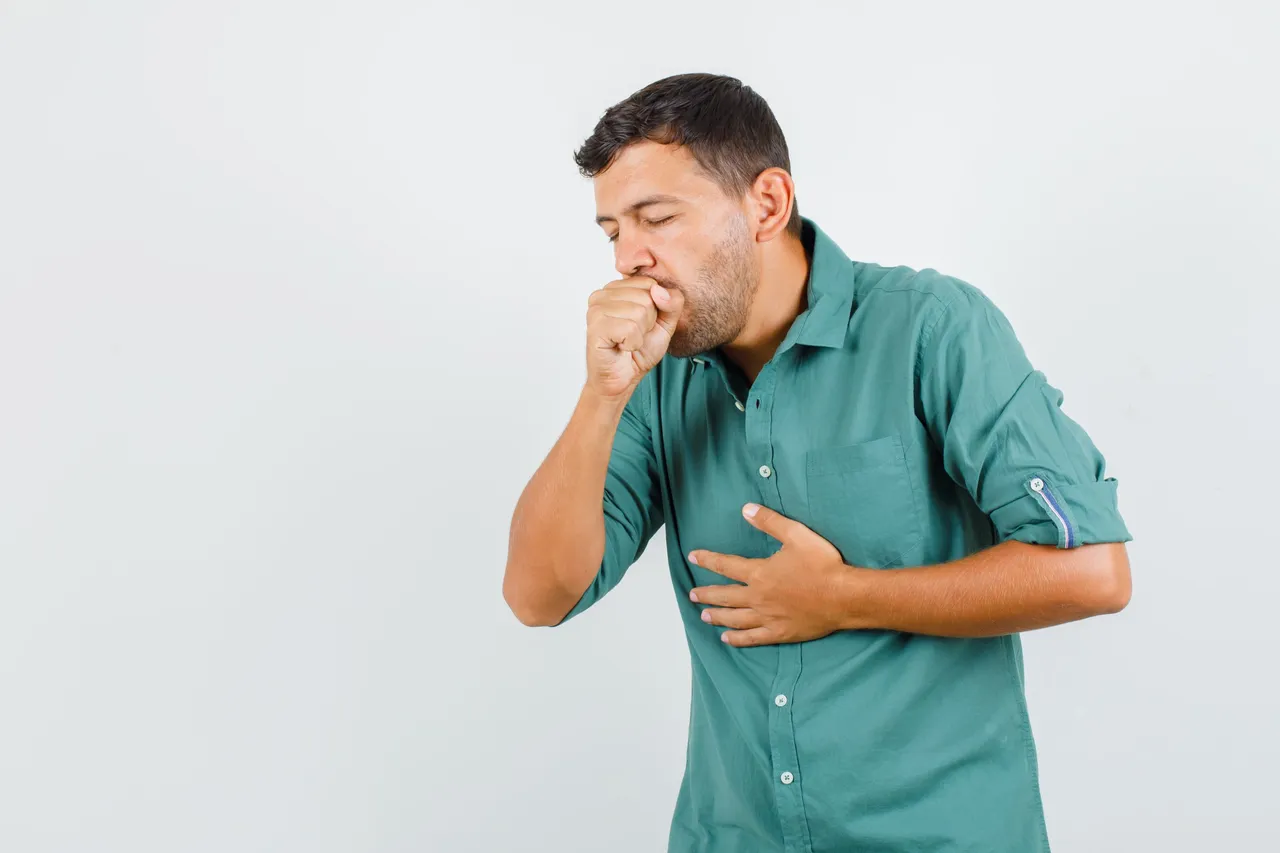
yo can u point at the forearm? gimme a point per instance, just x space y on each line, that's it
1004 589
557 536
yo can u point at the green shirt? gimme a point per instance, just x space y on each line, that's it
900 420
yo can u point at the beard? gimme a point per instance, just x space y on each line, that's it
715 312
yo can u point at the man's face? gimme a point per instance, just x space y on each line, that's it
689 236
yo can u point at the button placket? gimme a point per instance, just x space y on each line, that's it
788 788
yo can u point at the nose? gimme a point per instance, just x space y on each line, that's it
631 256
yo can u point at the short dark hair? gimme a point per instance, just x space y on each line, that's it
728 128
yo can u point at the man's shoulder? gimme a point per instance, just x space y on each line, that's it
925 290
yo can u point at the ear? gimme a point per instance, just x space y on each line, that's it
770 201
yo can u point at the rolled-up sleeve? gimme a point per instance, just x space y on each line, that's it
1003 435
632 500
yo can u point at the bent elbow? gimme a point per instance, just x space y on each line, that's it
1111 582
1115 596
523 614
528 610
519 607
1123 593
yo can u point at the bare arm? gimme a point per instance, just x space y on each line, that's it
805 590
557 530
1008 588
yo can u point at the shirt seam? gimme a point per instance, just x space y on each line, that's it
1028 740
926 336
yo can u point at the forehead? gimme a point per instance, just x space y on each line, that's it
650 168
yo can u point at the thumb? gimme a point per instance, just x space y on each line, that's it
772 522
670 302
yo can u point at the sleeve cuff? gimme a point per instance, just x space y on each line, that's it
1081 514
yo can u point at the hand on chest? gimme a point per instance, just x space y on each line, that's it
856 492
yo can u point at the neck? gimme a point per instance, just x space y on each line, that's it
779 299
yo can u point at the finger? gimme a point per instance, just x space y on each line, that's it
750 637
615 331
732 617
638 295
729 565
641 283
774 523
723 594
643 314
670 303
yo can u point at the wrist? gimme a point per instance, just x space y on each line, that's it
601 407
856 595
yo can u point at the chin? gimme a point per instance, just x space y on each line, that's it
689 341
684 348
681 346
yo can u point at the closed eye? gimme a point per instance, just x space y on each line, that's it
655 222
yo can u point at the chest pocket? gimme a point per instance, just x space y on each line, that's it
861 500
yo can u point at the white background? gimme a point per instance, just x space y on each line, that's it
291 306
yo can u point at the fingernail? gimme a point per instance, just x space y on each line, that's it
750 510
661 292
693 596
693 559
706 616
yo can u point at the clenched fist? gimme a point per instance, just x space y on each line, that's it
629 326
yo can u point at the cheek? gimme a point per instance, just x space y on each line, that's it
690 305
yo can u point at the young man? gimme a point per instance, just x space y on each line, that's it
868 492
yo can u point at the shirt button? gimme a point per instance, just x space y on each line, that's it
765 471
787 778
738 403
1037 484
779 700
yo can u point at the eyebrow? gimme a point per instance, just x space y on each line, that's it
644 202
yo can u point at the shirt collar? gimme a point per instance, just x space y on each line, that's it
830 290
829 293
